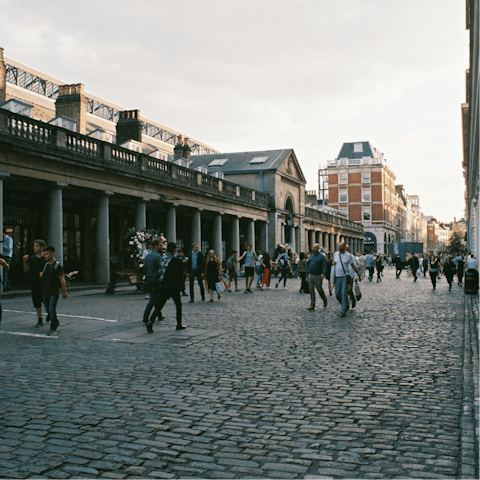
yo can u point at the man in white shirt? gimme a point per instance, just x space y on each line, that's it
342 260
471 262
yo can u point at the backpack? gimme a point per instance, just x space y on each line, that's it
229 263
57 263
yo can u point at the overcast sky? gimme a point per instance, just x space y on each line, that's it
269 74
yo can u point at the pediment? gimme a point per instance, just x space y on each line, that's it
291 168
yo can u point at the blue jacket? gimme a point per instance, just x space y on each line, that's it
317 264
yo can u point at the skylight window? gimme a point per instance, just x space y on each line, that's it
259 160
219 162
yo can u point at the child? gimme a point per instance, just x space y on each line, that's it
53 279
232 270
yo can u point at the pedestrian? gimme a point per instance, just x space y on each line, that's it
361 263
7 256
399 266
341 262
329 275
152 275
232 271
184 259
370 261
259 269
213 273
283 263
195 270
449 270
33 265
6 267
425 265
295 262
144 256
171 283
460 266
316 271
379 267
414 265
52 281
267 265
471 262
434 265
302 271
250 258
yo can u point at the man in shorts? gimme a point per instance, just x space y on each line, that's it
250 258
33 265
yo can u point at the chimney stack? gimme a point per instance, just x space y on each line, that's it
178 150
129 126
72 103
186 149
3 78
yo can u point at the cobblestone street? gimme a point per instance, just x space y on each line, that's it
256 386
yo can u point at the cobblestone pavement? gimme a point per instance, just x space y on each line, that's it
256 386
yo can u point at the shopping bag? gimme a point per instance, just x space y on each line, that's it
358 293
220 287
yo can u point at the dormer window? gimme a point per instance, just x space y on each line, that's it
218 162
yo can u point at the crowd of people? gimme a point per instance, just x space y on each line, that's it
166 274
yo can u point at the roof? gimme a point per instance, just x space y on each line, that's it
242 161
348 150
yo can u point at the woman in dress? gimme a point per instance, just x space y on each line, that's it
212 273
302 270
267 262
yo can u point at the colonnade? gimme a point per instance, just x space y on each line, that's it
330 241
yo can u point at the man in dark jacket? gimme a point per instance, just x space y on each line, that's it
414 265
171 285
196 269
397 261
316 271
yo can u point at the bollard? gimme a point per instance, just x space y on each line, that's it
471 281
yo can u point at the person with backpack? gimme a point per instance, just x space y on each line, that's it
250 258
231 267
52 280
282 261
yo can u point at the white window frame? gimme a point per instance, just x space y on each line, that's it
366 177
343 181
344 210
368 211
367 190
344 192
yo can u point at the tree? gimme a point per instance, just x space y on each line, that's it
455 245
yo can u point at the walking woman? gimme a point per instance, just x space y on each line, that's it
329 271
434 269
282 260
379 267
449 271
212 273
267 262
460 266
302 271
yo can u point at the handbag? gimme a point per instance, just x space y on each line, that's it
220 287
358 293
348 278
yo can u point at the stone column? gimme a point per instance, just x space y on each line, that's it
171 230
235 236
196 236
55 220
264 236
337 240
311 239
3 176
217 235
292 237
103 240
332 243
141 215
251 232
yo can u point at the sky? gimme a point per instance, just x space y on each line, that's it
270 74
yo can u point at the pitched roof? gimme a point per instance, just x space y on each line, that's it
242 161
347 150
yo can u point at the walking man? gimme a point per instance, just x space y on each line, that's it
397 261
152 285
195 270
7 256
370 259
33 265
316 271
414 265
171 284
341 262
53 280
250 258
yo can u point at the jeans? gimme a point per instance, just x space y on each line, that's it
283 273
341 292
152 287
162 298
6 278
259 275
433 278
371 270
198 275
50 304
